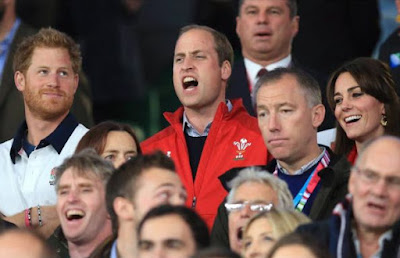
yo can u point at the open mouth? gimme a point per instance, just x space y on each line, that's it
239 234
352 119
189 82
75 214
263 34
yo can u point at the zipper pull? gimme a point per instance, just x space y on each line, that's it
194 202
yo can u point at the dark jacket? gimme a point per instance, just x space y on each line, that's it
333 189
58 242
329 234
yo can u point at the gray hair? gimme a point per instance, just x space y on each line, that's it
87 164
254 174
307 83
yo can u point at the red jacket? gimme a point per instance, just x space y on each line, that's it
234 140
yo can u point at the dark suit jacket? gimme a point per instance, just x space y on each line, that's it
238 87
12 111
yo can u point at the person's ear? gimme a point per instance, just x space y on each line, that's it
123 208
317 115
19 79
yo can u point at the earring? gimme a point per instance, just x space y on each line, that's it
384 120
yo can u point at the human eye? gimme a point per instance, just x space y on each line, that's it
274 11
394 181
268 239
174 244
63 73
246 244
178 59
370 175
232 207
109 157
62 192
163 196
145 245
251 11
43 72
130 156
200 56
357 94
337 100
261 114
86 189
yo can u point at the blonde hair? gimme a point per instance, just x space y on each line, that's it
282 221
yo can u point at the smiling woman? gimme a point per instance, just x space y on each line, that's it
113 141
362 96
265 228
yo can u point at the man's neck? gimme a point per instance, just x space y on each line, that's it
291 166
126 241
199 119
265 59
85 249
38 129
369 241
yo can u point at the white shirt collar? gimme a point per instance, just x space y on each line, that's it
253 68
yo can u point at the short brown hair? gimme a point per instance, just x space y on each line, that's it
221 43
96 137
47 38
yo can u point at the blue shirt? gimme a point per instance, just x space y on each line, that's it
192 132
6 43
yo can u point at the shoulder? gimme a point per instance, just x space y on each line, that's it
158 138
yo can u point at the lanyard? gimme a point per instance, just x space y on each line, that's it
309 186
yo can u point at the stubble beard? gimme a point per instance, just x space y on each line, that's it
49 109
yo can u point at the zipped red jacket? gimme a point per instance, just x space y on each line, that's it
234 140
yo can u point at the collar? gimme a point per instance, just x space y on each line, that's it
114 251
304 168
387 236
57 138
252 68
10 36
191 131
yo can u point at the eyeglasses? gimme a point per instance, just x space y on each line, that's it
232 207
371 177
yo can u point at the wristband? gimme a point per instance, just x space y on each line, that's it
39 213
28 218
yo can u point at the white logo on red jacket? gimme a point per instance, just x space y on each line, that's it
241 148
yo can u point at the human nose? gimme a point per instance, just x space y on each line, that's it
53 80
159 252
187 64
380 187
72 196
346 104
246 212
119 161
254 251
262 17
273 123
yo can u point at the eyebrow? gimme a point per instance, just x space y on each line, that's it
166 185
192 53
348 90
